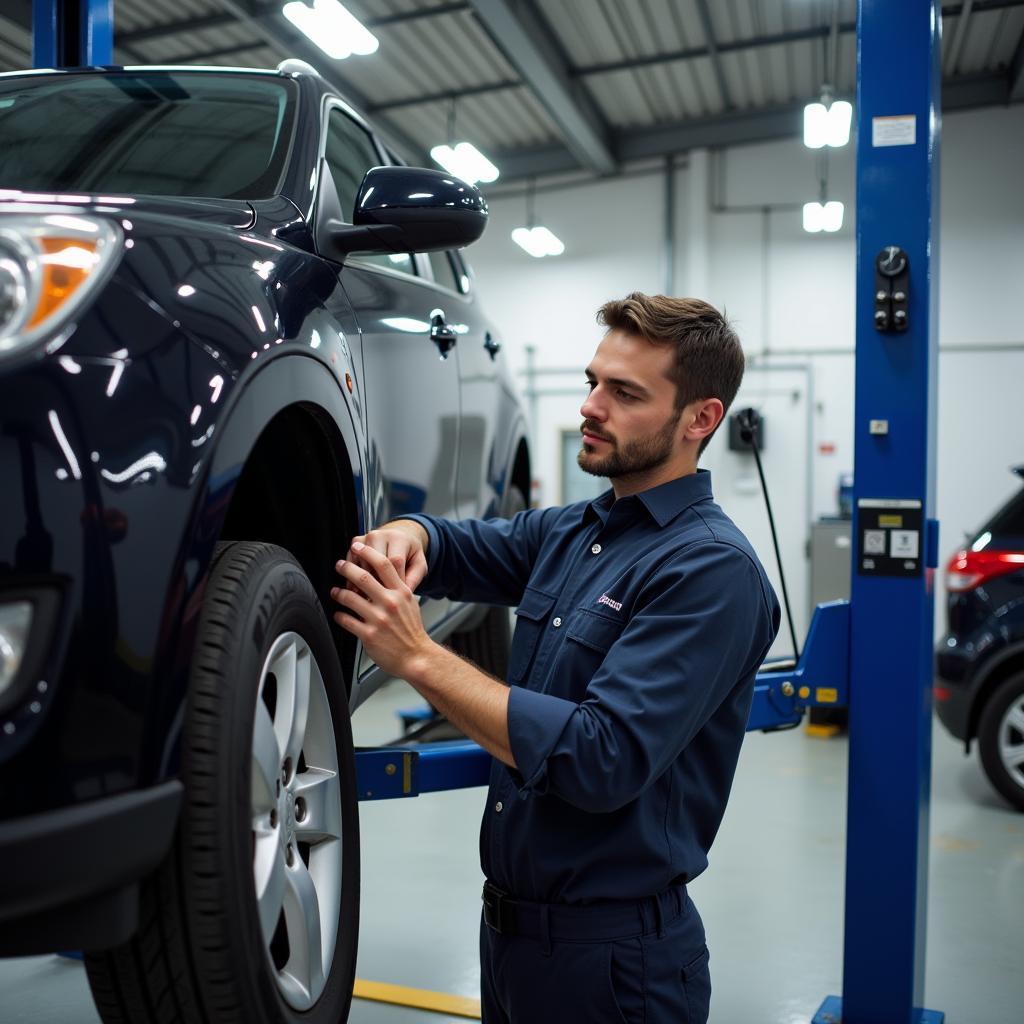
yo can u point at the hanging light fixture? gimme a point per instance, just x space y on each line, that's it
827 123
333 28
827 216
535 239
463 159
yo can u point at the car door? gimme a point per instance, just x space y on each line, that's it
478 354
410 380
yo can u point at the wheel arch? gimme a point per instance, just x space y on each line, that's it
291 418
1009 662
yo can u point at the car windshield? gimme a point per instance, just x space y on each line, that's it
218 135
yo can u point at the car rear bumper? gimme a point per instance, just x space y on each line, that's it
71 876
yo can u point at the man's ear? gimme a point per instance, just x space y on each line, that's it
702 417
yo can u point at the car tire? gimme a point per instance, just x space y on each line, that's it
487 645
253 916
1001 739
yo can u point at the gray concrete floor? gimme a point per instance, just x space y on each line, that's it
772 899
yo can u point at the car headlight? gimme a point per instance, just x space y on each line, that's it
15 620
49 266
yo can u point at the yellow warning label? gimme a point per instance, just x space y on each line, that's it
896 521
826 695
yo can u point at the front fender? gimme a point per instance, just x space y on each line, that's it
309 380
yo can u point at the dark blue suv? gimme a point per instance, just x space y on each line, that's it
979 663
234 332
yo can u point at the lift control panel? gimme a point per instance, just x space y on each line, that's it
892 289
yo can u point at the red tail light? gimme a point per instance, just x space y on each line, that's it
969 569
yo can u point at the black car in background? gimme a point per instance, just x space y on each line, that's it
979 663
234 333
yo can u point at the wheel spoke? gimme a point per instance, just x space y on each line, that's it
270 865
321 792
292 668
266 762
302 918
1015 719
1012 754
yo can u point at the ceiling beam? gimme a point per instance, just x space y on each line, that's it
735 129
708 28
447 95
528 44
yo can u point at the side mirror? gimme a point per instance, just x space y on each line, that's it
400 209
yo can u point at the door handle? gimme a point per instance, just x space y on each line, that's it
441 334
493 347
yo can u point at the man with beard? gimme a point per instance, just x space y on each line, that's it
643 617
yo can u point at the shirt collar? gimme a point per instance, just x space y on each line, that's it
664 502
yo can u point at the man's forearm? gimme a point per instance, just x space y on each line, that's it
470 699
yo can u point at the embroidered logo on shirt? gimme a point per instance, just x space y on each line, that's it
614 605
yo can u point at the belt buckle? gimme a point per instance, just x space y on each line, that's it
497 910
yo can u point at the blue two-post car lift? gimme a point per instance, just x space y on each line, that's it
872 654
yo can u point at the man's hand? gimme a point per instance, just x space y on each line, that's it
404 544
389 622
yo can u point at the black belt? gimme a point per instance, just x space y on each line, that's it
594 922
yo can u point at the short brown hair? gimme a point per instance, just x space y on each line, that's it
709 359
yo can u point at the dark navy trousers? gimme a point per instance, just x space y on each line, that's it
647 964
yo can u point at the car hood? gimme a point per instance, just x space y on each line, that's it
232 213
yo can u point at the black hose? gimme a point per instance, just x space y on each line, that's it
748 432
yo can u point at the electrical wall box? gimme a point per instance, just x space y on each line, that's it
736 441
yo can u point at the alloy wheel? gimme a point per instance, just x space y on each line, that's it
1011 741
296 821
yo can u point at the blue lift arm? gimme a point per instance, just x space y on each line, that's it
780 698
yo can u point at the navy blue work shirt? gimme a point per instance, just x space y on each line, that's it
641 624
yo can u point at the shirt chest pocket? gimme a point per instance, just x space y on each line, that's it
589 638
532 616
594 631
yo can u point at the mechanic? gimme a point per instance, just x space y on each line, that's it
643 617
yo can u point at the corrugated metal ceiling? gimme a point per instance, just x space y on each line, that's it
628 66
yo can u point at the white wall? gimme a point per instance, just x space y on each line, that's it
790 294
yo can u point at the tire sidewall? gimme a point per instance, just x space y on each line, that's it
992 714
276 597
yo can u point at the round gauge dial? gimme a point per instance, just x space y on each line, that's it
892 260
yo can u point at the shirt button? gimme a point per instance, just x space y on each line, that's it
498 807
557 623
596 549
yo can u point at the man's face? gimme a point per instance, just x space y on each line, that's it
630 420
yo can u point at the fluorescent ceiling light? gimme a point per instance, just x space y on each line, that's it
538 241
465 161
827 217
827 126
333 28
840 114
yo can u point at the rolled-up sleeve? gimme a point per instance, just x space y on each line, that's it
485 561
700 628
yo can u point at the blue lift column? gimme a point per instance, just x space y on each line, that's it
72 33
895 537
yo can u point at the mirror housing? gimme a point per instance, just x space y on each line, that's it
400 209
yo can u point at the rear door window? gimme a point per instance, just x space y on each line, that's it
350 152
444 271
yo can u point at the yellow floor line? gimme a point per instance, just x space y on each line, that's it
417 998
